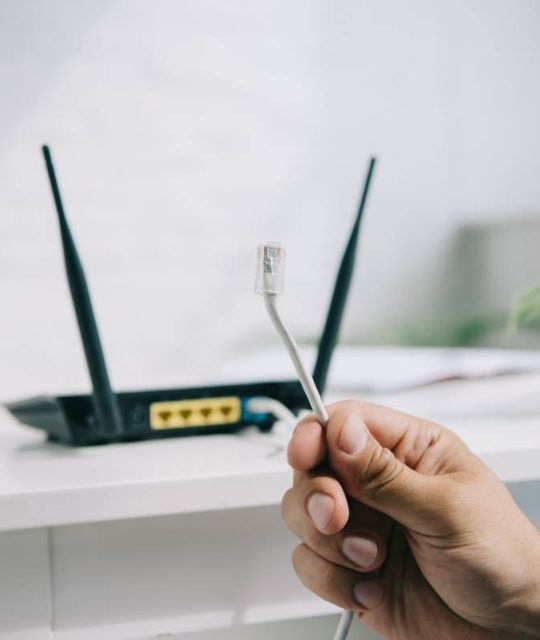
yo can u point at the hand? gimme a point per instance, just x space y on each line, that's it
401 523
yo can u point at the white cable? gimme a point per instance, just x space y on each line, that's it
316 403
344 625
270 272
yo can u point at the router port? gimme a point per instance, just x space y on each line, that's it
179 414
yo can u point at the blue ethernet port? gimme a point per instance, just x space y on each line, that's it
251 414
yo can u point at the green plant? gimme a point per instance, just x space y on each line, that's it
526 310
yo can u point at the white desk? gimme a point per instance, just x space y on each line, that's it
178 537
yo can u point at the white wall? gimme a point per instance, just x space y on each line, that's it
185 132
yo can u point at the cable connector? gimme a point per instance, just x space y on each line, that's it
270 275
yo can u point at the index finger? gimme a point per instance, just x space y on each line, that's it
307 447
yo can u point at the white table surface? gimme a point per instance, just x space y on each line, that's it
43 484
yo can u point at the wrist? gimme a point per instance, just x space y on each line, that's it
524 609
528 617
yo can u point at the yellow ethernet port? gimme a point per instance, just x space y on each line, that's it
205 412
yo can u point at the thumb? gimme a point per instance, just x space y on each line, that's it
378 455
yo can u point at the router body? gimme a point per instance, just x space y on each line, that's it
157 414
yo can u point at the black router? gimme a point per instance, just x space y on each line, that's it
105 416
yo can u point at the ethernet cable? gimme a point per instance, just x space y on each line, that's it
270 284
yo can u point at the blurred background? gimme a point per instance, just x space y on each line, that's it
187 132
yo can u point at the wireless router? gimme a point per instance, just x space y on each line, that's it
105 416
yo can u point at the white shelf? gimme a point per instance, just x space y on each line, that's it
126 573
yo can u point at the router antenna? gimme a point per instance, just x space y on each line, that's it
105 402
340 293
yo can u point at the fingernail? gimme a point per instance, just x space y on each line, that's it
361 551
353 435
368 594
320 508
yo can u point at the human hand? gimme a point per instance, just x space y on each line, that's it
401 523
